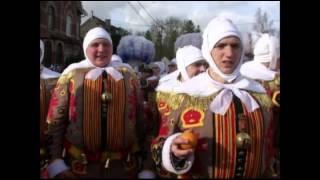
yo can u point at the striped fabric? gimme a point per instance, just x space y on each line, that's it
225 135
115 115
92 114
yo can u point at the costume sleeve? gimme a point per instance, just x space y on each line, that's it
266 108
171 163
164 160
57 121
56 167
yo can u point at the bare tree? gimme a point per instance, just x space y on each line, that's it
148 36
198 29
165 32
262 23
188 27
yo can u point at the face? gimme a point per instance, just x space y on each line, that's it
226 54
172 67
196 68
156 70
99 52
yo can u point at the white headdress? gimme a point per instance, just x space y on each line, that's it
216 30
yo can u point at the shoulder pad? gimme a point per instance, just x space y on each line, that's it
263 99
125 70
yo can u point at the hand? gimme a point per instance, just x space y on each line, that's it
177 151
68 174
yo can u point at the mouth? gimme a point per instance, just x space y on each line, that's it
228 63
101 56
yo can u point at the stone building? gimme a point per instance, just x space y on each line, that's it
60 31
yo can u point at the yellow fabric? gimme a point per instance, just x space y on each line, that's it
174 100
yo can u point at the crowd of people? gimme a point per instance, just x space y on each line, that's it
104 117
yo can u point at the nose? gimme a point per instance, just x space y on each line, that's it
228 51
100 47
202 68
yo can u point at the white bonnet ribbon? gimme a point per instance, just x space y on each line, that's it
116 75
223 100
96 72
255 70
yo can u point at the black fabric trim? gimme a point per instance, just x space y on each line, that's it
178 164
241 153
104 115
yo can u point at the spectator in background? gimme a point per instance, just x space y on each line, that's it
172 66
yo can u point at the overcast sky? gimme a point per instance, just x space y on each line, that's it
123 13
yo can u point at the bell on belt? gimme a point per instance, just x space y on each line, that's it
243 140
106 96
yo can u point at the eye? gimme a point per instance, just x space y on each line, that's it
220 45
105 44
235 45
95 44
197 64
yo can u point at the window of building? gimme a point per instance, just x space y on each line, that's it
59 55
68 25
51 18
47 54
78 29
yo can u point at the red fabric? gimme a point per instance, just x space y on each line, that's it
44 174
53 104
164 130
93 157
72 105
132 100
192 117
66 144
269 141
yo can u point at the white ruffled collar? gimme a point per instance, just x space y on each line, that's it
169 83
203 85
257 71
94 73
